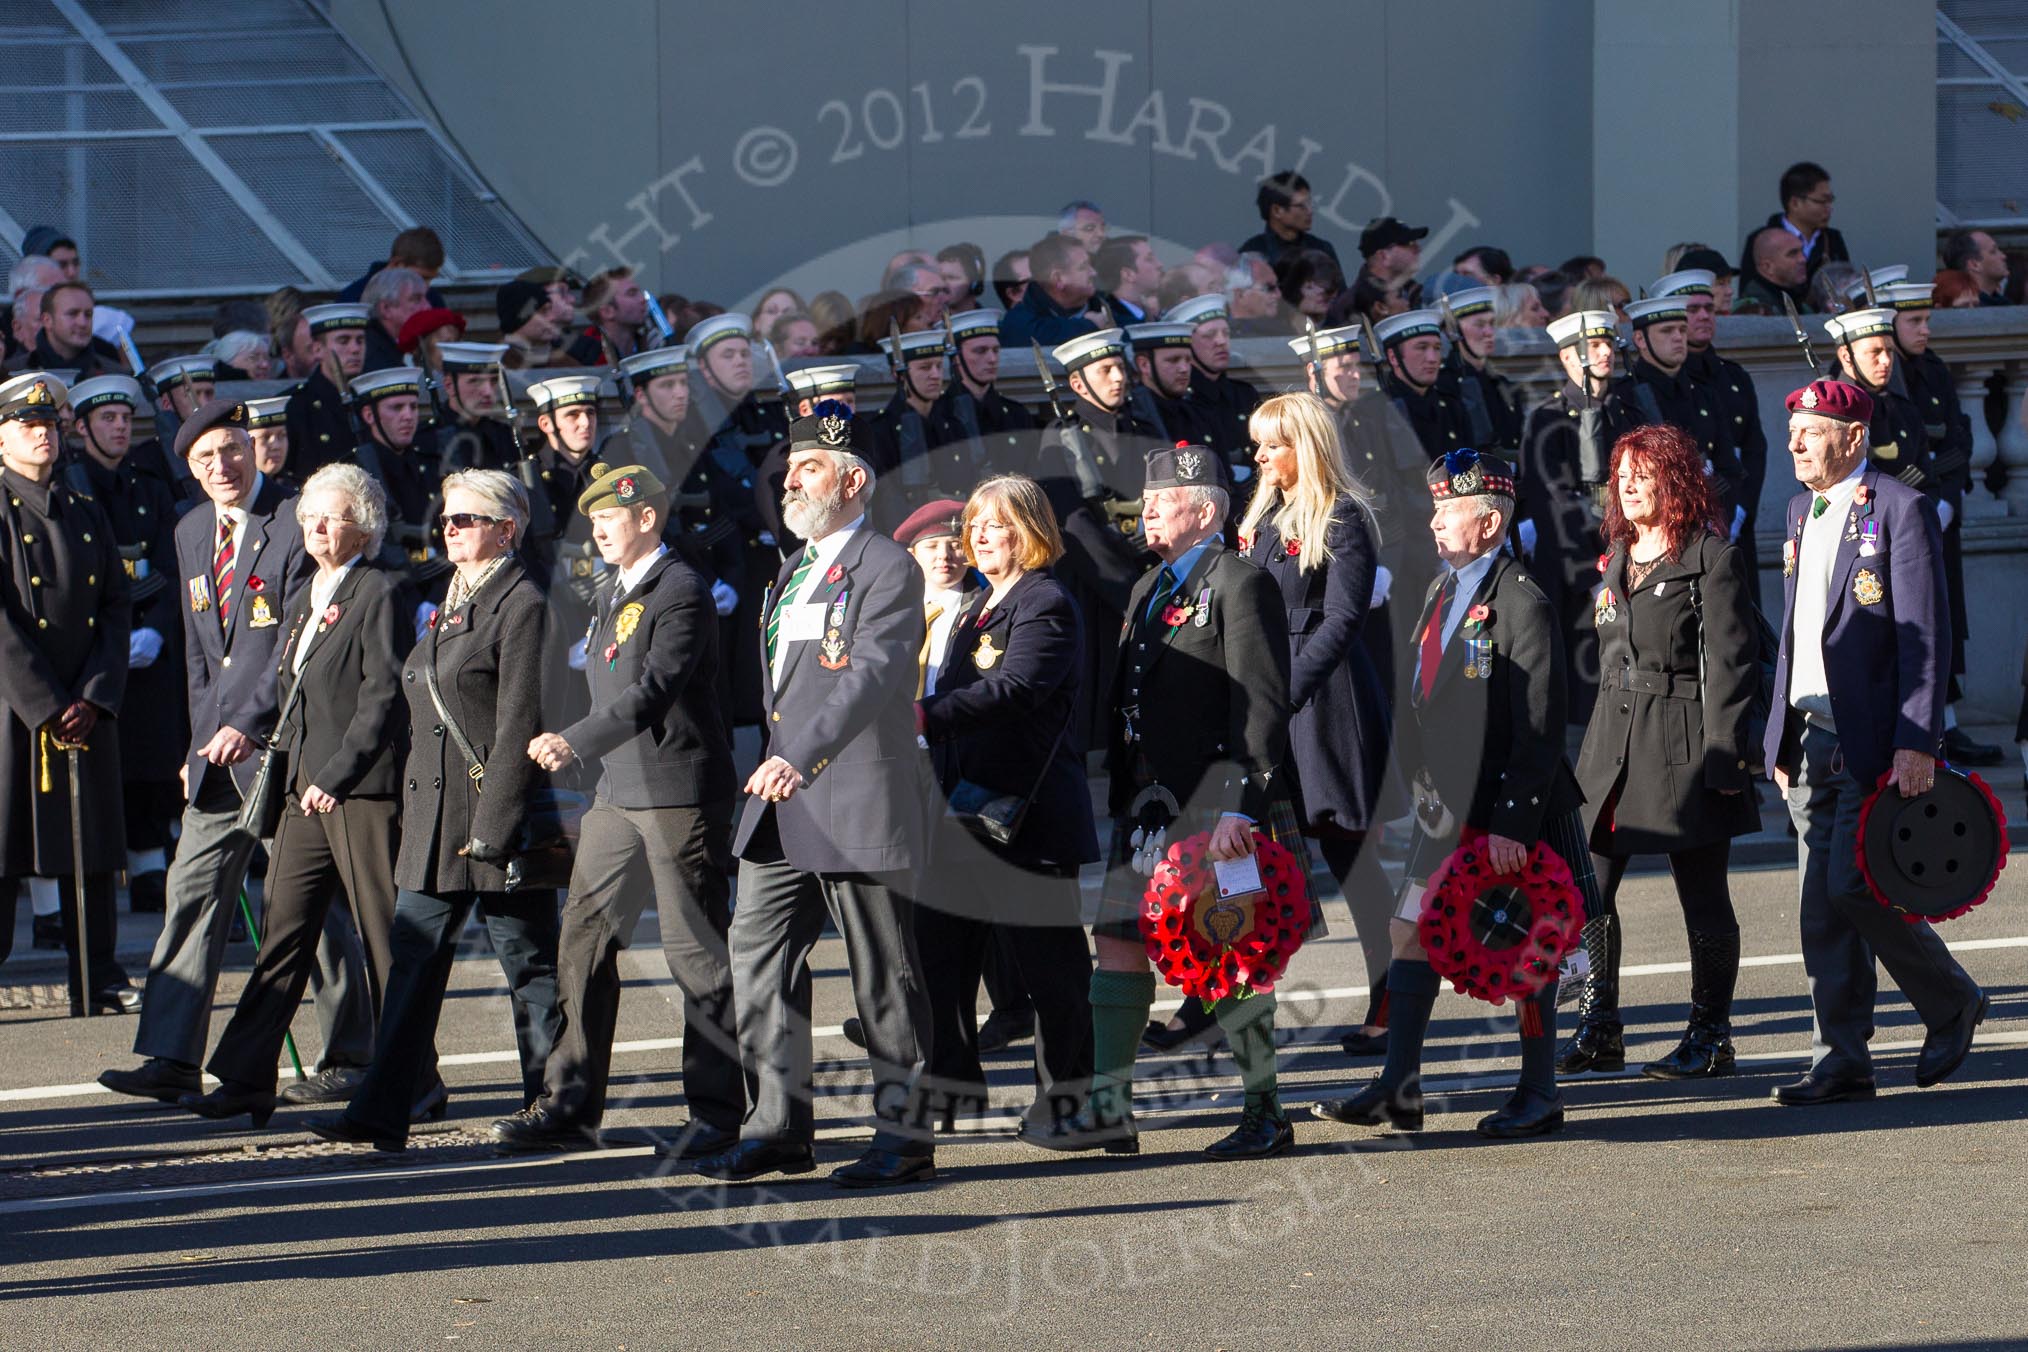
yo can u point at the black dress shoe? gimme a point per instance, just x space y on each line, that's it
1376 1106
333 1084
120 999
696 1140
1199 1025
342 1129
537 1128
1004 1030
750 1159
48 933
854 1032
156 1078
1814 1089
1960 749
431 1107
1084 1131
1359 1042
1263 1130
1943 1051
884 1169
147 893
1525 1114
230 1100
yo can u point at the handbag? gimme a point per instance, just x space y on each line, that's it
261 806
990 814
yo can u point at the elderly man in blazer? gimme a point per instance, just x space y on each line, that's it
837 820
1859 694
241 563
664 803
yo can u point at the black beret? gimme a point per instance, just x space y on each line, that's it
215 414
515 302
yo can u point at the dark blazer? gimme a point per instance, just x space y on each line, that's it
1007 696
1338 730
1213 699
848 722
487 653
232 669
655 721
1493 745
1886 658
1664 742
348 732
320 427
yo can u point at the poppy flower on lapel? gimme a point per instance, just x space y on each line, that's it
612 652
1246 544
330 616
1293 548
1603 560
433 620
836 575
1478 616
1175 616
254 583
1863 494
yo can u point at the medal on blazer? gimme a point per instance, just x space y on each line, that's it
838 610
1605 608
200 594
831 655
1202 613
1478 658
259 614
1866 588
1869 538
985 657
1789 558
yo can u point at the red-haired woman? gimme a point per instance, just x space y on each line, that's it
1665 766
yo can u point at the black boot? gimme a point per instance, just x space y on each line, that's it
1706 1049
1263 1130
1598 1043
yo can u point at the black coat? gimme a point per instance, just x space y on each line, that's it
492 686
348 733
1384 455
143 515
1440 421
1492 745
1227 404
64 617
1686 735
1338 729
655 724
1203 709
1006 698
1492 405
320 427
1688 406
1006 432
1739 403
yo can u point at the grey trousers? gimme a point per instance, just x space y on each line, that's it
1845 929
203 895
775 923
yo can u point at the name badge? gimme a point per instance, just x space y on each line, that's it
803 624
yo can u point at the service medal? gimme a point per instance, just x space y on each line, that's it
1201 612
628 620
838 610
985 657
1604 608
1866 588
200 594
1788 558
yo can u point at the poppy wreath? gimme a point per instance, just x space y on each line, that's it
1866 870
1211 947
1493 944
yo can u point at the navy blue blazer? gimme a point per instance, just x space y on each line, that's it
1007 691
1887 638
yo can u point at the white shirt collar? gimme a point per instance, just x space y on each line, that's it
833 544
630 576
1841 493
324 586
237 515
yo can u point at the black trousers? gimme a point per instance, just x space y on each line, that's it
101 920
1701 886
316 862
523 927
688 862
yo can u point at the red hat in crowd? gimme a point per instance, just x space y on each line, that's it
945 516
428 321
1833 399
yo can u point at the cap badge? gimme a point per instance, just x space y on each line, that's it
834 431
625 492
1467 481
38 393
1188 463
1809 399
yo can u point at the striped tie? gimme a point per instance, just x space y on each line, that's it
221 570
789 593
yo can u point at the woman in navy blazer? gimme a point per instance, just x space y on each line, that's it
1002 716
1311 527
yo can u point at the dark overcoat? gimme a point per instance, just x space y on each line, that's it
348 731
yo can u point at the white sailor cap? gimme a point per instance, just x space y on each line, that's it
657 361
373 386
920 345
324 318
814 382
1657 310
1906 295
976 324
87 395
269 412
466 358
1471 301
1085 349
716 329
32 395
1583 324
173 371
1406 325
1856 324
1879 277
1198 309
1164 333
1688 282
563 391
1330 342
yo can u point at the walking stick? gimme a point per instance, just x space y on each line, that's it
254 932
81 1003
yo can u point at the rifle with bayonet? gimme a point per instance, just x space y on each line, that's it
1802 337
1091 485
527 467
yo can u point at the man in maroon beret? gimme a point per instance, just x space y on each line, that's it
1859 694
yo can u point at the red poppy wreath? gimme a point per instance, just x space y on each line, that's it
1497 936
1211 946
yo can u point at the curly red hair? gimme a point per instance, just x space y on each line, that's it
1682 489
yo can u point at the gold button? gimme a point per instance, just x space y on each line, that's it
91 620
42 624
88 539
91 579
776 717
35 582
27 539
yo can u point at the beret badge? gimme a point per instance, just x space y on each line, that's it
834 432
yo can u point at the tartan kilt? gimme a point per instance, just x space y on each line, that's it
1121 897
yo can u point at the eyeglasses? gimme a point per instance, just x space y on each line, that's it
1823 201
468 520
328 519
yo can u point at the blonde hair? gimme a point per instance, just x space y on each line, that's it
1022 505
1303 422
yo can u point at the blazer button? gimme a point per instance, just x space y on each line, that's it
1623 709
411 786
438 730
775 717
436 783
409 676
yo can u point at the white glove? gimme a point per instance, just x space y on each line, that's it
143 647
1241 473
723 598
1528 538
579 654
1382 581
1944 515
1738 520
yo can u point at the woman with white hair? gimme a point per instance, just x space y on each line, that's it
338 752
474 687
246 352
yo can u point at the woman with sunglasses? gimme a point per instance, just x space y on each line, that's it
473 685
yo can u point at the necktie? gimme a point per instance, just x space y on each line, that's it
1819 507
1165 587
931 613
1433 636
221 570
789 593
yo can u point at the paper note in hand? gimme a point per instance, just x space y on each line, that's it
1237 877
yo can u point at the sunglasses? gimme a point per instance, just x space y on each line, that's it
468 520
